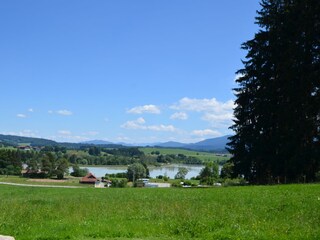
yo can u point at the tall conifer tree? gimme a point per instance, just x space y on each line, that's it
278 99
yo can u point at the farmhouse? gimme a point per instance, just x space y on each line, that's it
89 178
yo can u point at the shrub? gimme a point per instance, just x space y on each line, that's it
234 182
165 178
119 182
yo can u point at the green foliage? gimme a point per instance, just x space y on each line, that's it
209 174
227 170
10 162
234 182
116 175
62 168
136 171
79 172
119 182
181 174
95 151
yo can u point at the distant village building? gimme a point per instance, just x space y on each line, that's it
28 148
98 184
89 178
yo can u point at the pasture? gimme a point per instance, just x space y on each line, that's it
204 156
251 212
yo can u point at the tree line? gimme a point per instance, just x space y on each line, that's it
54 160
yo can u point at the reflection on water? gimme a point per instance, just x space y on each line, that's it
166 170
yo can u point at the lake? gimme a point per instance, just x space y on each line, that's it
168 170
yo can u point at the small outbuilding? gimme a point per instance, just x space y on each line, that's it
98 184
89 178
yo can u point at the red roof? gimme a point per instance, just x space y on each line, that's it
89 178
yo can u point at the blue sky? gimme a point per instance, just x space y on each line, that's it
135 71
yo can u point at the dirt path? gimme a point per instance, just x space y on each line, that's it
35 185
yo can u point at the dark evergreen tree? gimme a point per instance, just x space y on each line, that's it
278 107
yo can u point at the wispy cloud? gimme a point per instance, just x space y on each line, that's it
145 109
135 124
203 105
64 112
30 110
24 133
140 124
20 115
179 115
67 136
206 132
64 132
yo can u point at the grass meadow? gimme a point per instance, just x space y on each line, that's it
251 212
204 156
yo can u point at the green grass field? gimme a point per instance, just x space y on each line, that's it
204 156
70 181
252 212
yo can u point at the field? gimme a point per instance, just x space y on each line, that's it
204 156
252 212
70 181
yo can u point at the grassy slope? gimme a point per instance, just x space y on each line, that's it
276 212
204 156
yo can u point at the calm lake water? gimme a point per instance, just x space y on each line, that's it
168 170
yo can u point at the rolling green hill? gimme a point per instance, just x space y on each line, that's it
16 140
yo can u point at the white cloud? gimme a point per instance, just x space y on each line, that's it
24 133
135 124
179 115
162 128
64 132
140 121
64 112
30 110
20 115
140 124
50 112
218 114
68 138
211 117
145 109
206 132
203 105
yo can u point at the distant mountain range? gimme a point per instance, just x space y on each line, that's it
97 142
213 144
